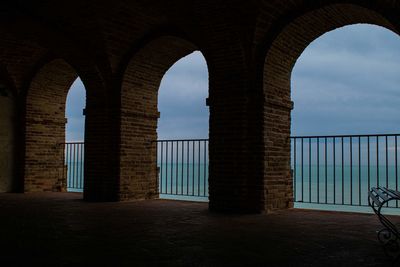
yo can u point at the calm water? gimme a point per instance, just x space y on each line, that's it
75 178
341 185
184 179
335 188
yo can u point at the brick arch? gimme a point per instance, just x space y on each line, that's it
45 126
139 114
280 56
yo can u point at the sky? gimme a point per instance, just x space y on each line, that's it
345 82
76 102
182 100
348 82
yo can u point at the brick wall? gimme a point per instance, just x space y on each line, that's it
250 48
45 127
139 115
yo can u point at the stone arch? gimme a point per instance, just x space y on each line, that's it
45 126
139 114
8 133
280 55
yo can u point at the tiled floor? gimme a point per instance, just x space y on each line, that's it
59 229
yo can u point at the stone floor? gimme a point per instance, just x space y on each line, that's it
59 229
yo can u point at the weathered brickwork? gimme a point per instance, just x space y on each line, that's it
122 49
45 127
139 115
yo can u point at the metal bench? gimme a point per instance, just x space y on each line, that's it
389 236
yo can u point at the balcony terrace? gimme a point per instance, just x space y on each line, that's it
61 229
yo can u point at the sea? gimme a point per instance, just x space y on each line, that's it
315 187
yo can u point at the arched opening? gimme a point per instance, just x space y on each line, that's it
182 99
280 58
139 174
183 130
344 82
74 138
45 127
8 181
344 88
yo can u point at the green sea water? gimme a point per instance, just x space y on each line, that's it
330 188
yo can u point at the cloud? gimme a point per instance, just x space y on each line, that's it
186 80
76 101
185 127
346 81
182 99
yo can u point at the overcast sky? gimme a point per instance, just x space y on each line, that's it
348 82
76 100
345 82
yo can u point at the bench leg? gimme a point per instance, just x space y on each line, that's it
385 235
390 244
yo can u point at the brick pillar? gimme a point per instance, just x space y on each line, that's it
101 145
249 152
277 175
8 137
277 104
138 157
236 143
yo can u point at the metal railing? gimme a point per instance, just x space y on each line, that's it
183 167
340 169
74 166
336 170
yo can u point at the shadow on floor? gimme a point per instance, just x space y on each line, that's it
59 230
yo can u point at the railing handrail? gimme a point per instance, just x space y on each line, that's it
180 140
340 136
295 136
75 142
172 140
